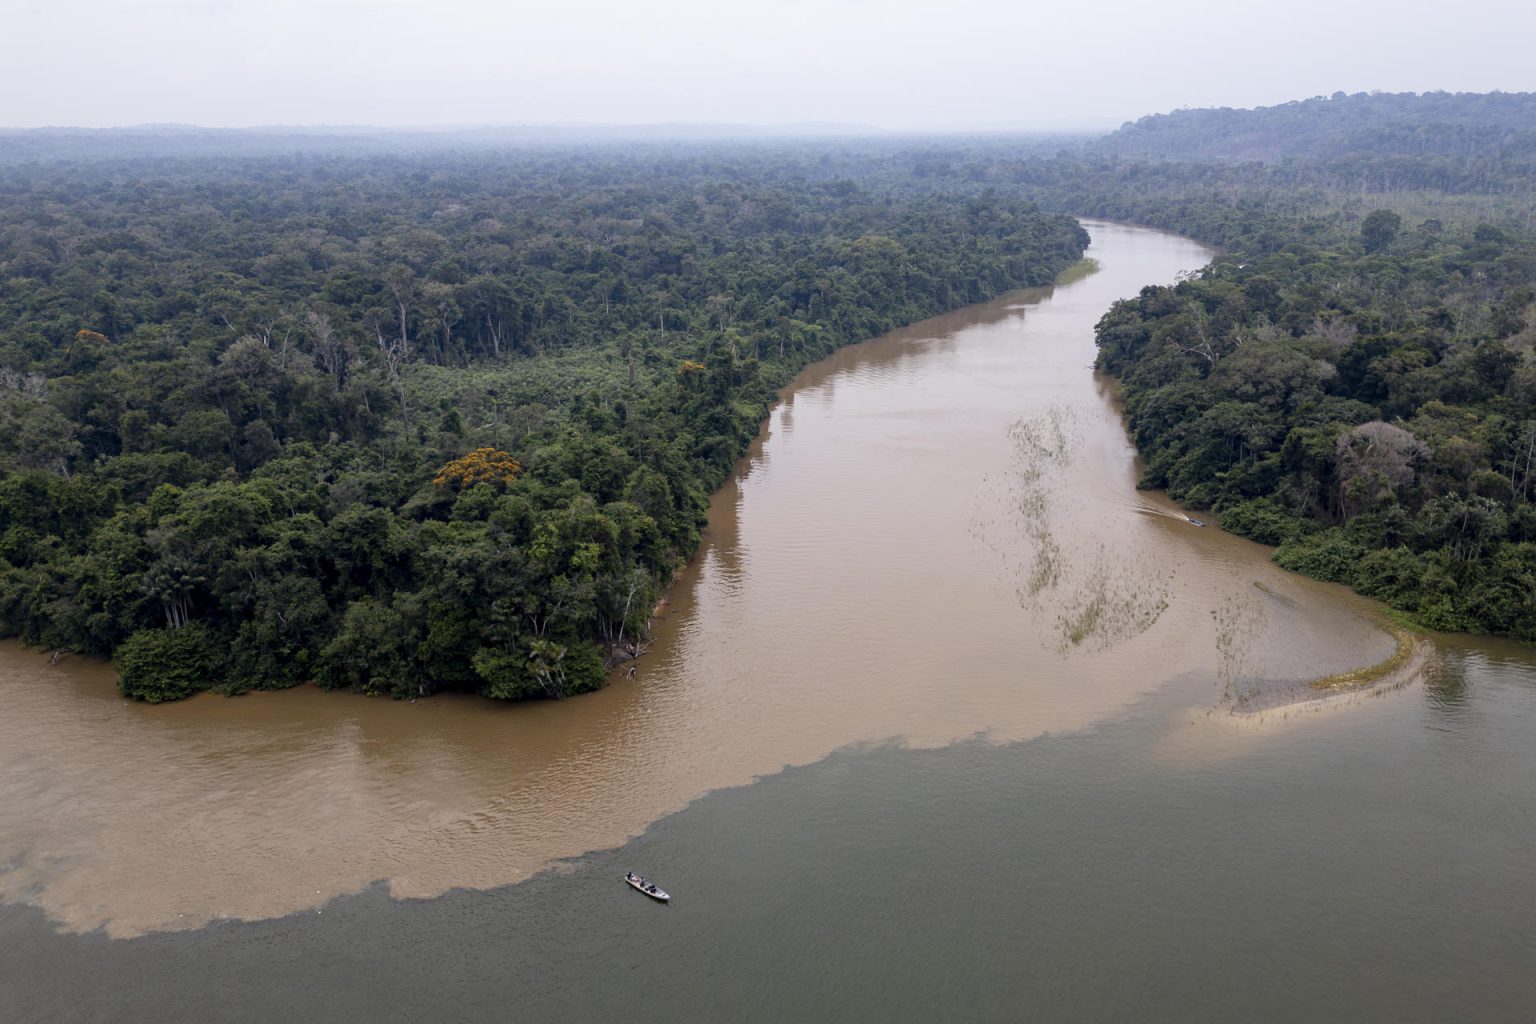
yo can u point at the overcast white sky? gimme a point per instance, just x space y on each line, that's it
894 64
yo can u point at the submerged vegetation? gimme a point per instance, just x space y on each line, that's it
1094 597
1077 271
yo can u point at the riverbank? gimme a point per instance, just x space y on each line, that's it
881 499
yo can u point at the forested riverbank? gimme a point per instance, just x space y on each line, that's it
266 818
448 420
1371 408
404 425
893 492
1354 379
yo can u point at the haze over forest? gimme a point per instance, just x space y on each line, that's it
894 65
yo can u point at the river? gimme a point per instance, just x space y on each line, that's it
944 720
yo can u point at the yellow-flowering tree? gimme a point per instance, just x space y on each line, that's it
483 465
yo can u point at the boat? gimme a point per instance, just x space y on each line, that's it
1197 522
651 889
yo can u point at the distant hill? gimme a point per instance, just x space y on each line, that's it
19 145
1458 125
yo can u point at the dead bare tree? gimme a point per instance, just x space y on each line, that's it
1374 460
330 353
395 351
1523 461
723 308
267 332
32 385
402 292
637 582
448 316
1204 343
1335 331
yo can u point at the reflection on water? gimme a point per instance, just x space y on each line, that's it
1463 664
883 566
1445 685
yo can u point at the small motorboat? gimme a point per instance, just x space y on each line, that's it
651 889
1197 522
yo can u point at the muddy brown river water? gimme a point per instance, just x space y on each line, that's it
935 538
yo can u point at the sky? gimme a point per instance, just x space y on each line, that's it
898 65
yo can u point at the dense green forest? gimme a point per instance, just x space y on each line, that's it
1354 383
1370 407
288 407
404 424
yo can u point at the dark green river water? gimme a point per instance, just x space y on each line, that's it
1369 864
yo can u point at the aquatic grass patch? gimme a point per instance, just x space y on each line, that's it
1109 607
1085 267
1239 621
1097 597
1409 641
1023 499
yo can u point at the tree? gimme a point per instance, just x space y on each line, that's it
1378 229
330 353
36 435
1375 459
483 465
234 468
1466 526
158 665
